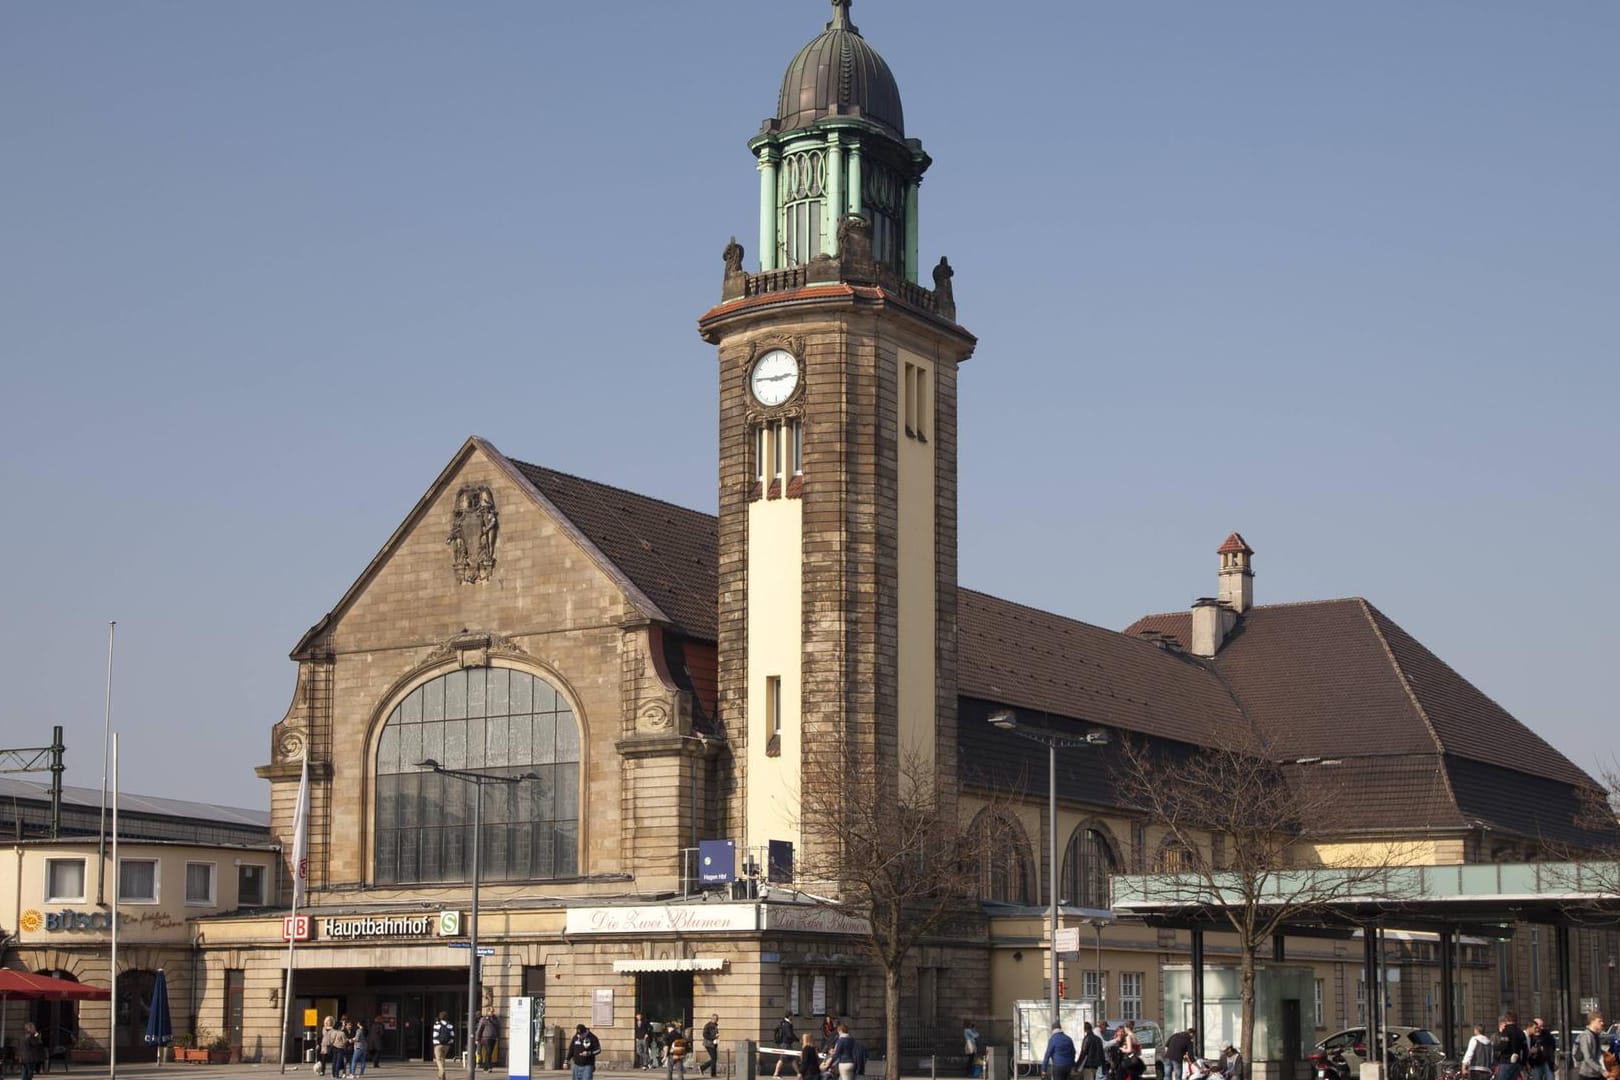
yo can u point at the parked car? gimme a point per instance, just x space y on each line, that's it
1350 1045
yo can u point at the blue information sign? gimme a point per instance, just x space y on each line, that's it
717 862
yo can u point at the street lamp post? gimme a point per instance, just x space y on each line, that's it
1007 720
477 779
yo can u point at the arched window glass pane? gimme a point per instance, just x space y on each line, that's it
491 720
1087 863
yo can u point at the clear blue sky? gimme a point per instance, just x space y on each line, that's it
1343 277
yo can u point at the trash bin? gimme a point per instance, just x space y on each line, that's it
554 1048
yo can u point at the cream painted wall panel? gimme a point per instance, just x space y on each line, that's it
917 659
775 648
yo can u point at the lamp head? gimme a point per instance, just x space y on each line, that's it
1005 719
1098 737
427 763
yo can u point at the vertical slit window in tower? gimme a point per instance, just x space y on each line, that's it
909 398
778 466
796 429
759 455
922 403
773 715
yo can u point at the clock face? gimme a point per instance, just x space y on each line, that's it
774 378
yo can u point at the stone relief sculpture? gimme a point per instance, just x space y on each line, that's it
733 255
473 528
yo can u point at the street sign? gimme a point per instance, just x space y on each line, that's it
486 950
461 945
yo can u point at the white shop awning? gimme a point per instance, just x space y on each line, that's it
701 963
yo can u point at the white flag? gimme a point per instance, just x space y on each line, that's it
300 856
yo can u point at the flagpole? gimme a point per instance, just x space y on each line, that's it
300 864
106 735
112 1020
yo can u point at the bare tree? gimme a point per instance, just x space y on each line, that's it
1242 829
893 849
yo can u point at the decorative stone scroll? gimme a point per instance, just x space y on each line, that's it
474 524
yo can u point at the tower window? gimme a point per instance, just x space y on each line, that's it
773 715
778 459
883 201
804 185
915 401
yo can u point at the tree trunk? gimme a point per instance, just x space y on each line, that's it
1246 994
891 1021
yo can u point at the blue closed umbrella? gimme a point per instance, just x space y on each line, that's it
159 1032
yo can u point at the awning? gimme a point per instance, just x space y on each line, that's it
701 963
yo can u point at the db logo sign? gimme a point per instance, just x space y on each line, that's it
449 924
295 928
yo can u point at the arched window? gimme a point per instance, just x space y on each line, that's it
1174 857
493 720
1087 862
1005 866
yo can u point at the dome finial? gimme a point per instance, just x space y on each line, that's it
840 19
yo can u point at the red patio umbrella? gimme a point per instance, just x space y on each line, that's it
26 986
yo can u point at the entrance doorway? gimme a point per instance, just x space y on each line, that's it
662 996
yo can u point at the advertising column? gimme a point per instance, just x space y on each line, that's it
520 1037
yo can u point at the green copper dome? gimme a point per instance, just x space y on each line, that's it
839 74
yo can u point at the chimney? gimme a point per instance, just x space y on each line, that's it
1213 617
1212 620
1236 578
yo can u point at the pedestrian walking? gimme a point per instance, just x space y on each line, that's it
444 1038
582 1051
31 1054
1060 1054
711 1046
489 1036
359 1047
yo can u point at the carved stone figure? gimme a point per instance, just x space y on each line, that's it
734 257
942 288
474 525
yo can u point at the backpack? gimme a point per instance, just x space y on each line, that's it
784 1033
339 1039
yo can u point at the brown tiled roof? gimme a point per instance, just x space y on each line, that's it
1034 659
1235 542
669 552
1339 679
1417 744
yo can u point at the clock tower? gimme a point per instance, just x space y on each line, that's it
837 562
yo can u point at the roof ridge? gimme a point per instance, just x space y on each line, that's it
1411 695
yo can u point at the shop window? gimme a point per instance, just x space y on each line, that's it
64 880
813 994
137 881
249 885
493 720
200 883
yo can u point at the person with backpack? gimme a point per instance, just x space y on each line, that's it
444 1037
675 1050
785 1039
1476 1059
1091 1053
1587 1055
